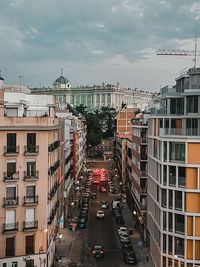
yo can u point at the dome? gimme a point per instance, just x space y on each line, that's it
62 80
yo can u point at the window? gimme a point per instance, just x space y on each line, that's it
170 244
172 175
164 221
31 168
31 142
181 176
179 246
11 169
170 198
11 192
177 152
165 151
14 264
10 246
179 224
11 142
192 104
30 244
30 191
30 263
164 175
164 243
178 200
164 198
166 123
170 222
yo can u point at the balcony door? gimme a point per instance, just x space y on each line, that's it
10 219
31 142
30 218
11 142
10 247
11 193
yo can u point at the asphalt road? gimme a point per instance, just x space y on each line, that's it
103 231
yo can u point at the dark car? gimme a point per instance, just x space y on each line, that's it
115 191
83 216
86 208
129 257
93 195
85 205
81 223
98 251
127 246
85 200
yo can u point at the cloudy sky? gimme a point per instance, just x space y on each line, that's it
96 41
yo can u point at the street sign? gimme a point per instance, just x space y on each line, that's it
140 244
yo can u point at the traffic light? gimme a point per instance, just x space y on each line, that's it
60 259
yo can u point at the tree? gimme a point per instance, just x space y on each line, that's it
81 109
86 258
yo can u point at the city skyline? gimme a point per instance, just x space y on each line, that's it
97 42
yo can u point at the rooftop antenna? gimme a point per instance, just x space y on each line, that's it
61 71
20 82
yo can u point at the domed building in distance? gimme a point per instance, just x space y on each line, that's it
61 83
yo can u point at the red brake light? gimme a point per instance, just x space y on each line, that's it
93 251
101 252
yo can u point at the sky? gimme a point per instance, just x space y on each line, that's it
96 41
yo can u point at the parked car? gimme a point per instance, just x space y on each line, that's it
104 204
122 230
81 223
129 257
93 195
103 189
86 195
127 246
124 238
100 214
98 251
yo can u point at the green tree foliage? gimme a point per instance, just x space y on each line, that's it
86 257
99 123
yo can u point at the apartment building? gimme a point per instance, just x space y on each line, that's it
137 192
32 179
173 216
74 151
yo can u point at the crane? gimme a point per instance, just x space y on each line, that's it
180 52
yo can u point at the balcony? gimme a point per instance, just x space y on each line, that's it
10 227
31 150
11 177
53 168
31 176
179 131
53 146
143 174
30 226
31 200
144 141
11 202
11 150
143 157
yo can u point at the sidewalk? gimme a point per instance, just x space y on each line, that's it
143 251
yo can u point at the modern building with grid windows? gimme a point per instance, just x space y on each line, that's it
173 213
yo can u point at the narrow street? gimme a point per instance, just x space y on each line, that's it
102 232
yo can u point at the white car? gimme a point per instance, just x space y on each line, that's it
122 231
104 204
100 214
124 238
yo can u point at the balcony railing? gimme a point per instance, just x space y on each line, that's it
11 150
144 140
143 174
11 202
30 176
179 131
31 200
53 146
31 150
143 156
11 177
10 227
31 225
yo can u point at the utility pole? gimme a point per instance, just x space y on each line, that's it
20 81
